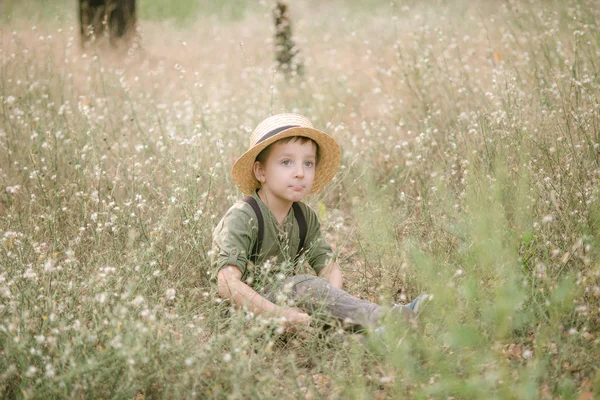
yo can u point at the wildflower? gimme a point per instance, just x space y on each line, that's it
170 293
116 342
30 274
31 371
49 265
50 372
137 301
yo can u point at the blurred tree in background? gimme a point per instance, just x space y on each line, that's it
286 51
113 18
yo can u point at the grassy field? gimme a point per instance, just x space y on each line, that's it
470 135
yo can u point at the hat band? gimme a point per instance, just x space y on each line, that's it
275 132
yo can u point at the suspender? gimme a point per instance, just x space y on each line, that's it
298 214
261 228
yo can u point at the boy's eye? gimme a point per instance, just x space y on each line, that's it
309 163
286 162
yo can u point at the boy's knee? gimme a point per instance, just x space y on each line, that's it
309 285
303 278
307 281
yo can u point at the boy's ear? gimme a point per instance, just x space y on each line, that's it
259 171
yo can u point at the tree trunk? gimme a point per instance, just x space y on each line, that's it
286 52
113 18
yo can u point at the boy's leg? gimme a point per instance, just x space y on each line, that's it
315 295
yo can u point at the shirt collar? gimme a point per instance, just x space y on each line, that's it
265 209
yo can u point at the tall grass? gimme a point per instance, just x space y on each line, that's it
471 144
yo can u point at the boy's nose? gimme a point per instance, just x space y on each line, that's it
300 171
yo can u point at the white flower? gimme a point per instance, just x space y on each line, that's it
572 331
30 274
116 342
50 371
227 357
137 301
101 298
31 371
170 293
49 265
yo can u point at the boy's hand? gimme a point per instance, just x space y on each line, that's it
295 318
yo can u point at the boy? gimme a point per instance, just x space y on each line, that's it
262 240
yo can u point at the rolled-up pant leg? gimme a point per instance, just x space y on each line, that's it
315 295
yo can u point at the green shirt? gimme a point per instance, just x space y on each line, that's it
236 234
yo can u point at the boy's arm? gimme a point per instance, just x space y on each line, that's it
319 254
333 274
231 287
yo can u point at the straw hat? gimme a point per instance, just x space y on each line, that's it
278 127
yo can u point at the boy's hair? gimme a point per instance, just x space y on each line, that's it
263 155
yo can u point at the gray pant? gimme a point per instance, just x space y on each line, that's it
316 296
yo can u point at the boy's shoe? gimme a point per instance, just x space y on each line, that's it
408 311
417 302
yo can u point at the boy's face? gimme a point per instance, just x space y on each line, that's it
288 173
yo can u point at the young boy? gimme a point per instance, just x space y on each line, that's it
262 240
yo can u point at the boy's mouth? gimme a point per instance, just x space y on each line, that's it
297 188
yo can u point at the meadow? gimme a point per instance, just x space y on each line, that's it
470 135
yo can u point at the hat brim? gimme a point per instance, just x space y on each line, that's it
242 171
